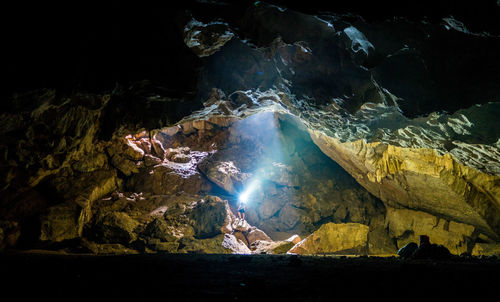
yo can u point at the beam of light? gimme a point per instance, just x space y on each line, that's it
244 196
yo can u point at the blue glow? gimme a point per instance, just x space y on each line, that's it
244 196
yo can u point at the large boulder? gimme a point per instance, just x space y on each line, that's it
115 227
225 174
255 234
332 238
210 217
235 245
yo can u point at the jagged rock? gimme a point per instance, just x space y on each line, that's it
348 238
407 225
115 227
486 249
235 245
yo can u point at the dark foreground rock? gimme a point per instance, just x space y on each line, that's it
242 278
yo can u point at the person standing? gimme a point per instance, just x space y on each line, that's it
241 210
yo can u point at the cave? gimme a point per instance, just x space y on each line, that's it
361 140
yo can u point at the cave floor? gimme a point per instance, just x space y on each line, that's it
195 277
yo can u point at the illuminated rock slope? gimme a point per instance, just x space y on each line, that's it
387 127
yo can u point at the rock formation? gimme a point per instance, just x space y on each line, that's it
331 238
349 133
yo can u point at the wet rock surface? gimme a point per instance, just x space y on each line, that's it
318 119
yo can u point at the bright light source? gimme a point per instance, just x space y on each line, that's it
249 190
244 196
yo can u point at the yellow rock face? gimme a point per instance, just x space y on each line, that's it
407 225
420 179
332 238
490 249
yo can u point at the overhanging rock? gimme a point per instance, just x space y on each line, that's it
419 179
